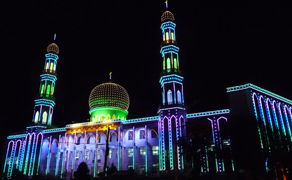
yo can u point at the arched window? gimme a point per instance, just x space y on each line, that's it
52 91
168 63
108 117
175 64
51 67
163 64
167 36
45 116
102 117
47 65
48 89
169 97
172 36
36 117
163 98
114 116
42 89
178 97
97 118
119 117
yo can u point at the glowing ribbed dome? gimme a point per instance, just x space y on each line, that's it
167 15
109 94
53 48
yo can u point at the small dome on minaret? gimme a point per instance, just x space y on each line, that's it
166 16
53 47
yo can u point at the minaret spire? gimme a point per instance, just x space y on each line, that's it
55 36
110 76
166 4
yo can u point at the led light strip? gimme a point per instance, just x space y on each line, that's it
254 87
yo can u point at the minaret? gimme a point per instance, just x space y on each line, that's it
172 112
45 102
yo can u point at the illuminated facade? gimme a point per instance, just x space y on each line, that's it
172 141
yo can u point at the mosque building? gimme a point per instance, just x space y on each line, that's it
247 136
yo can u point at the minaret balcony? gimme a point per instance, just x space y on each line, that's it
46 96
50 71
167 42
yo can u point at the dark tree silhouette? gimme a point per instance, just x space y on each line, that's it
82 172
112 169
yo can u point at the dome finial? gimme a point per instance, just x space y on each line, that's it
110 76
166 4
55 36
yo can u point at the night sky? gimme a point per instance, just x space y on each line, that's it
222 43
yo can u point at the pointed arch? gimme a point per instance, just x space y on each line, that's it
102 138
112 135
45 117
114 116
154 132
108 117
36 117
102 117
90 139
97 118
169 97
178 97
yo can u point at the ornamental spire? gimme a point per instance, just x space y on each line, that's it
166 4
55 36
110 76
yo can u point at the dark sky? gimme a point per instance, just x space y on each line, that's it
222 43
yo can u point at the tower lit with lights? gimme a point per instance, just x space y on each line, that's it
44 104
172 112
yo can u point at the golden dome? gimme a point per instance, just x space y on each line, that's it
109 94
167 15
53 48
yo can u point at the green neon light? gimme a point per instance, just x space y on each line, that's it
146 159
32 156
95 157
54 130
63 159
11 163
216 162
73 159
208 113
57 162
251 86
48 90
27 155
207 162
42 90
168 63
16 136
175 64
39 159
22 154
134 152
48 161
119 146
